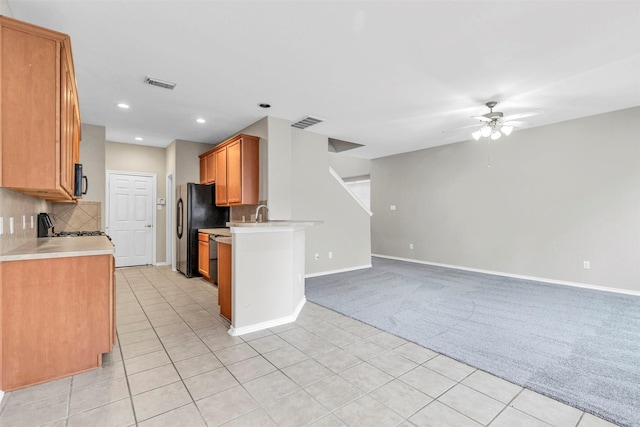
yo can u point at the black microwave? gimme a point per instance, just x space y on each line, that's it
78 189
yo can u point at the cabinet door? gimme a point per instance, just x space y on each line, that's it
112 303
67 126
203 170
203 257
64 319
30 108
221 177
224 280
211 168
234 172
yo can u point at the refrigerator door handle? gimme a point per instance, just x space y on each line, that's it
179 219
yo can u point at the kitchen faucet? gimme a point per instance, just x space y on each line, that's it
258 210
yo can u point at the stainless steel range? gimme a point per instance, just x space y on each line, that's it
46 229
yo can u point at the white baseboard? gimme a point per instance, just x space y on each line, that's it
516 276
270 323
160 263
342 270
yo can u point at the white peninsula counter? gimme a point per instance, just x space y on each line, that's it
267 273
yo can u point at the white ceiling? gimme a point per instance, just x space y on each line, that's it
394 76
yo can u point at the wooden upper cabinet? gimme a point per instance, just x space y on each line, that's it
203 170
40 115
211 168
208 167
221 176
234 172
237 171
69 126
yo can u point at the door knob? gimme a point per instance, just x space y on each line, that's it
148 225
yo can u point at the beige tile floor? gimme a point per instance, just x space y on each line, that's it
175 365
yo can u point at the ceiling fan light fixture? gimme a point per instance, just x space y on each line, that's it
485 130
477 135
507 129
495 135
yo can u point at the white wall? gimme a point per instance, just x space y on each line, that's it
318 196
5 9
294 175
347 166
187 163
143 159
93 159
170 159
261 130
280 165
554 196
181 159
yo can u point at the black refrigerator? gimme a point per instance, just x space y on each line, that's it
195 208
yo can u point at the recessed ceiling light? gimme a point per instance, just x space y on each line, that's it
201 120
137 138
123 105
264 105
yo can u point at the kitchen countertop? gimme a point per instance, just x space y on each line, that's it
226 240
60 247
275 223
216 231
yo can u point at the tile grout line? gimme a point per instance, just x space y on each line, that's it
165 348
124 366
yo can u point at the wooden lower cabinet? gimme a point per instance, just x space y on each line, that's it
58 317
112 303
203 255
224 280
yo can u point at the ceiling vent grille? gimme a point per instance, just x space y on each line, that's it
305 122
159 83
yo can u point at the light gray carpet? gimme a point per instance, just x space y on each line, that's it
579 346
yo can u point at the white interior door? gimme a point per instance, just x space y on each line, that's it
131 202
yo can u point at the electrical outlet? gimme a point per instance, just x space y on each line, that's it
317 257
392 207
410 245
1 225
10 225
24 222
586 265
330 255
31 221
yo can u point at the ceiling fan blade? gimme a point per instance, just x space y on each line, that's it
515 123
521 115
483 118
463 127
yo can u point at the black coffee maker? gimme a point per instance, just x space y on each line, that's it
44 225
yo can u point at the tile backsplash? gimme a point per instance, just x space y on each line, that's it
246 211
16 205
85 216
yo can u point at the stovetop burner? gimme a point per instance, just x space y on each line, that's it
79 233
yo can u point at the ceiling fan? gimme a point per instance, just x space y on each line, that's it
495 124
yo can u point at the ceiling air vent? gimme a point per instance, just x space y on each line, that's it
159 83
305 122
